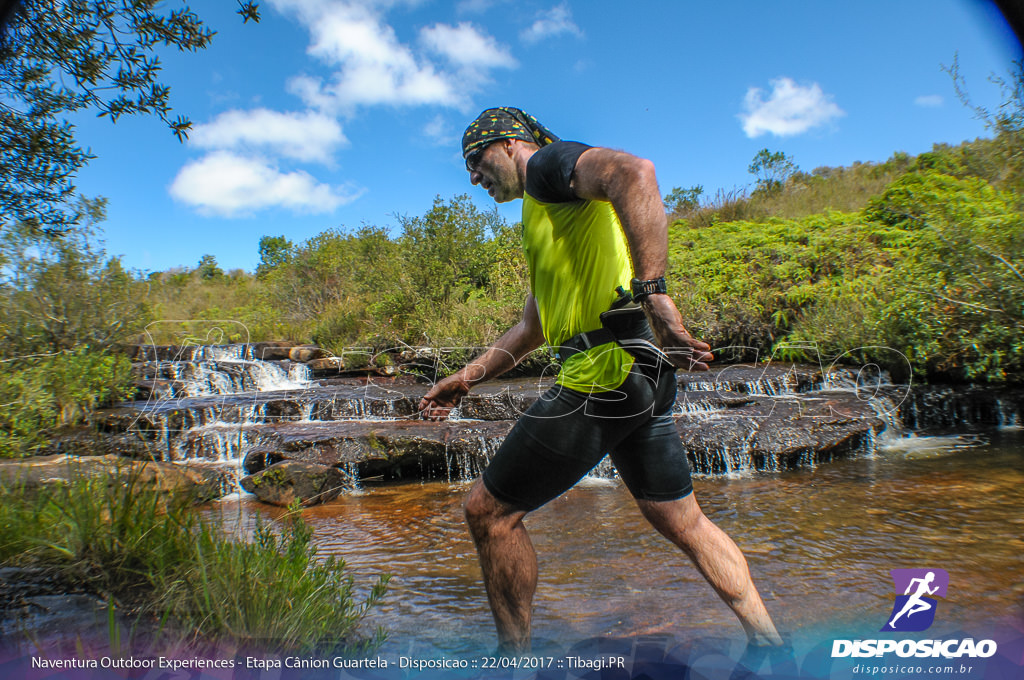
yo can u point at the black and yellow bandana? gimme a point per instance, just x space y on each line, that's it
504 122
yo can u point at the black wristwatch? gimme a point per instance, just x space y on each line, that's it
642 289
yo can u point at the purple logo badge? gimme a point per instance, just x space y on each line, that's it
914 609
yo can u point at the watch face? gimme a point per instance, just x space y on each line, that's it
649 287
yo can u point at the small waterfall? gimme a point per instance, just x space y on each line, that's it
219 353
488 447
870 446
219 404
1009 415
205 397
219 442
764 388
947 407
768 387
300 374
272 377
737 460
466 459
353 484
889 413
838 380
697 408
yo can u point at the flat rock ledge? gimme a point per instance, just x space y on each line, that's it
748 433
201 482
371 451
773 434
739 418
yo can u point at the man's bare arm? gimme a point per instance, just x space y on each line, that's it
503 355
630 185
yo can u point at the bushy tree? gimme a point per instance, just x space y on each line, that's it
446 248
58 57
681 201
208 269
274 251
67 295
772 169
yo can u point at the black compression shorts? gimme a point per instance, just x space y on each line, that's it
566 433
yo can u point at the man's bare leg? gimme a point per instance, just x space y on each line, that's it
717 558
509 565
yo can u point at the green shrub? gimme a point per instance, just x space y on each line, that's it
183 574
183 304
930 270
41 395
271 590
958 295
747 284
68 295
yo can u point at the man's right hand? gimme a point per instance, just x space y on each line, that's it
445 395
683 350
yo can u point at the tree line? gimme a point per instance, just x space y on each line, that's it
919 256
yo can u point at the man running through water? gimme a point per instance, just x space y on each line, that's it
594 227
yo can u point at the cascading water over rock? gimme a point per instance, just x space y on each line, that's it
224 405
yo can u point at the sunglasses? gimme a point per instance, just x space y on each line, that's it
473 159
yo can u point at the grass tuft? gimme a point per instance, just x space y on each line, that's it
182 575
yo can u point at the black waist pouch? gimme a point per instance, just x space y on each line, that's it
633 333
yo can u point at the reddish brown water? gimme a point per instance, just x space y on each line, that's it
820 544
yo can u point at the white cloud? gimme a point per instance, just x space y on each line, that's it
556 21
465 46
229 185
440 133
790 109
305 136
373 67
930 101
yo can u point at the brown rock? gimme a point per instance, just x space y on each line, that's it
293 480
306 353
326 366
260 459
271 351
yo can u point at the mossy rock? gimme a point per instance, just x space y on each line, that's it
293 480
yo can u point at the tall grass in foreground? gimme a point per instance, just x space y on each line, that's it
182 576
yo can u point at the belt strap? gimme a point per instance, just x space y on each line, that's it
584 341
601 336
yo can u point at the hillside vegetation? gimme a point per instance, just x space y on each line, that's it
916 263
926 277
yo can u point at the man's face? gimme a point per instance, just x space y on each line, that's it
493 169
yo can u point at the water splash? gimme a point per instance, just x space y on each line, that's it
1008 415
920 446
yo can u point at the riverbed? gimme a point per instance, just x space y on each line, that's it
820 543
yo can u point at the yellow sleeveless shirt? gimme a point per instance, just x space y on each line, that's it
578 254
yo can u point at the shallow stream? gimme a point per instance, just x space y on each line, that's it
820 543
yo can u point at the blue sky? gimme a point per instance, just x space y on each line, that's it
331 114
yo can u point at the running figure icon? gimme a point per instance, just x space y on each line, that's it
916 604
915 609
